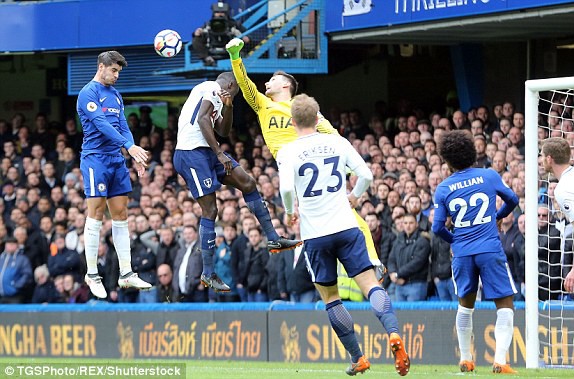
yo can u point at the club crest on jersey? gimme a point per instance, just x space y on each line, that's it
91 106
566 206
207 182
101 187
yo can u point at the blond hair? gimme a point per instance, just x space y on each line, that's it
304 111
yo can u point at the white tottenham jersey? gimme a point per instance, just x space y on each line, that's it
314 167
564 193
189 134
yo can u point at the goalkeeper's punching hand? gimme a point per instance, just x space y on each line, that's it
233 47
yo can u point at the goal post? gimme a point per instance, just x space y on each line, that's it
541 317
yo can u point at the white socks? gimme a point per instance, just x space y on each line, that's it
121 237
464 331
503 331
92 243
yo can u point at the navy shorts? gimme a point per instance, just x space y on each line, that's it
202 171
348 247
105 175
493 270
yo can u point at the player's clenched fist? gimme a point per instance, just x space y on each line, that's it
233 47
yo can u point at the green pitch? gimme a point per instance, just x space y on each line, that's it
268 370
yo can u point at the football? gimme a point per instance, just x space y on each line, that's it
167 43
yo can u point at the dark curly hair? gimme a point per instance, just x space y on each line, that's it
457 149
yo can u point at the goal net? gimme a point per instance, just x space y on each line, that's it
549 110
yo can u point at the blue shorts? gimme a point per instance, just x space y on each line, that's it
347 246
105 175
202 171
493 270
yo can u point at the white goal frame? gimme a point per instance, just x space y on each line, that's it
532 88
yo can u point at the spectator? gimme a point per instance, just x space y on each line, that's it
74 137
376 231
49 179
187 285
414 207
31 246
108 270
549 255
408 262
143 264
15 274
76 292
166 248
75 237
256 277
222 263
440 269
165 287
509 234
240 257
41 133
63 260
293 279
45 290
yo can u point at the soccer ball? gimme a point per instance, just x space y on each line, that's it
167 43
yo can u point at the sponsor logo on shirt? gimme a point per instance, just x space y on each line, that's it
111 110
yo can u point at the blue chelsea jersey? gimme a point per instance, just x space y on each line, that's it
469 197
101 112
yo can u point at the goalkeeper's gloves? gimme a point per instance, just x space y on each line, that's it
233 47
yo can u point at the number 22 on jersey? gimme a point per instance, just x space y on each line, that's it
477 199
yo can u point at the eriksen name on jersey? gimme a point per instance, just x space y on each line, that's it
317 150
466 183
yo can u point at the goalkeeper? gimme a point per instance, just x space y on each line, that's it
273 110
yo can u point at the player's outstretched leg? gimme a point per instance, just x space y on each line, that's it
342 323
383 309
275 242
207 240
121 238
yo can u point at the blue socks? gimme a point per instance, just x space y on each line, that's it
257 207
383 309
207 239
342 324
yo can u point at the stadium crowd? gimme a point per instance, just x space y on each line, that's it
43 209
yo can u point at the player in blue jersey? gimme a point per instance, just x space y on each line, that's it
312 170
205 167
468 196
106 176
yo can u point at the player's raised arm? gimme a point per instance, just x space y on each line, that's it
254 98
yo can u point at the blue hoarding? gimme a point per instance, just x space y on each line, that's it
64 25
359 14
